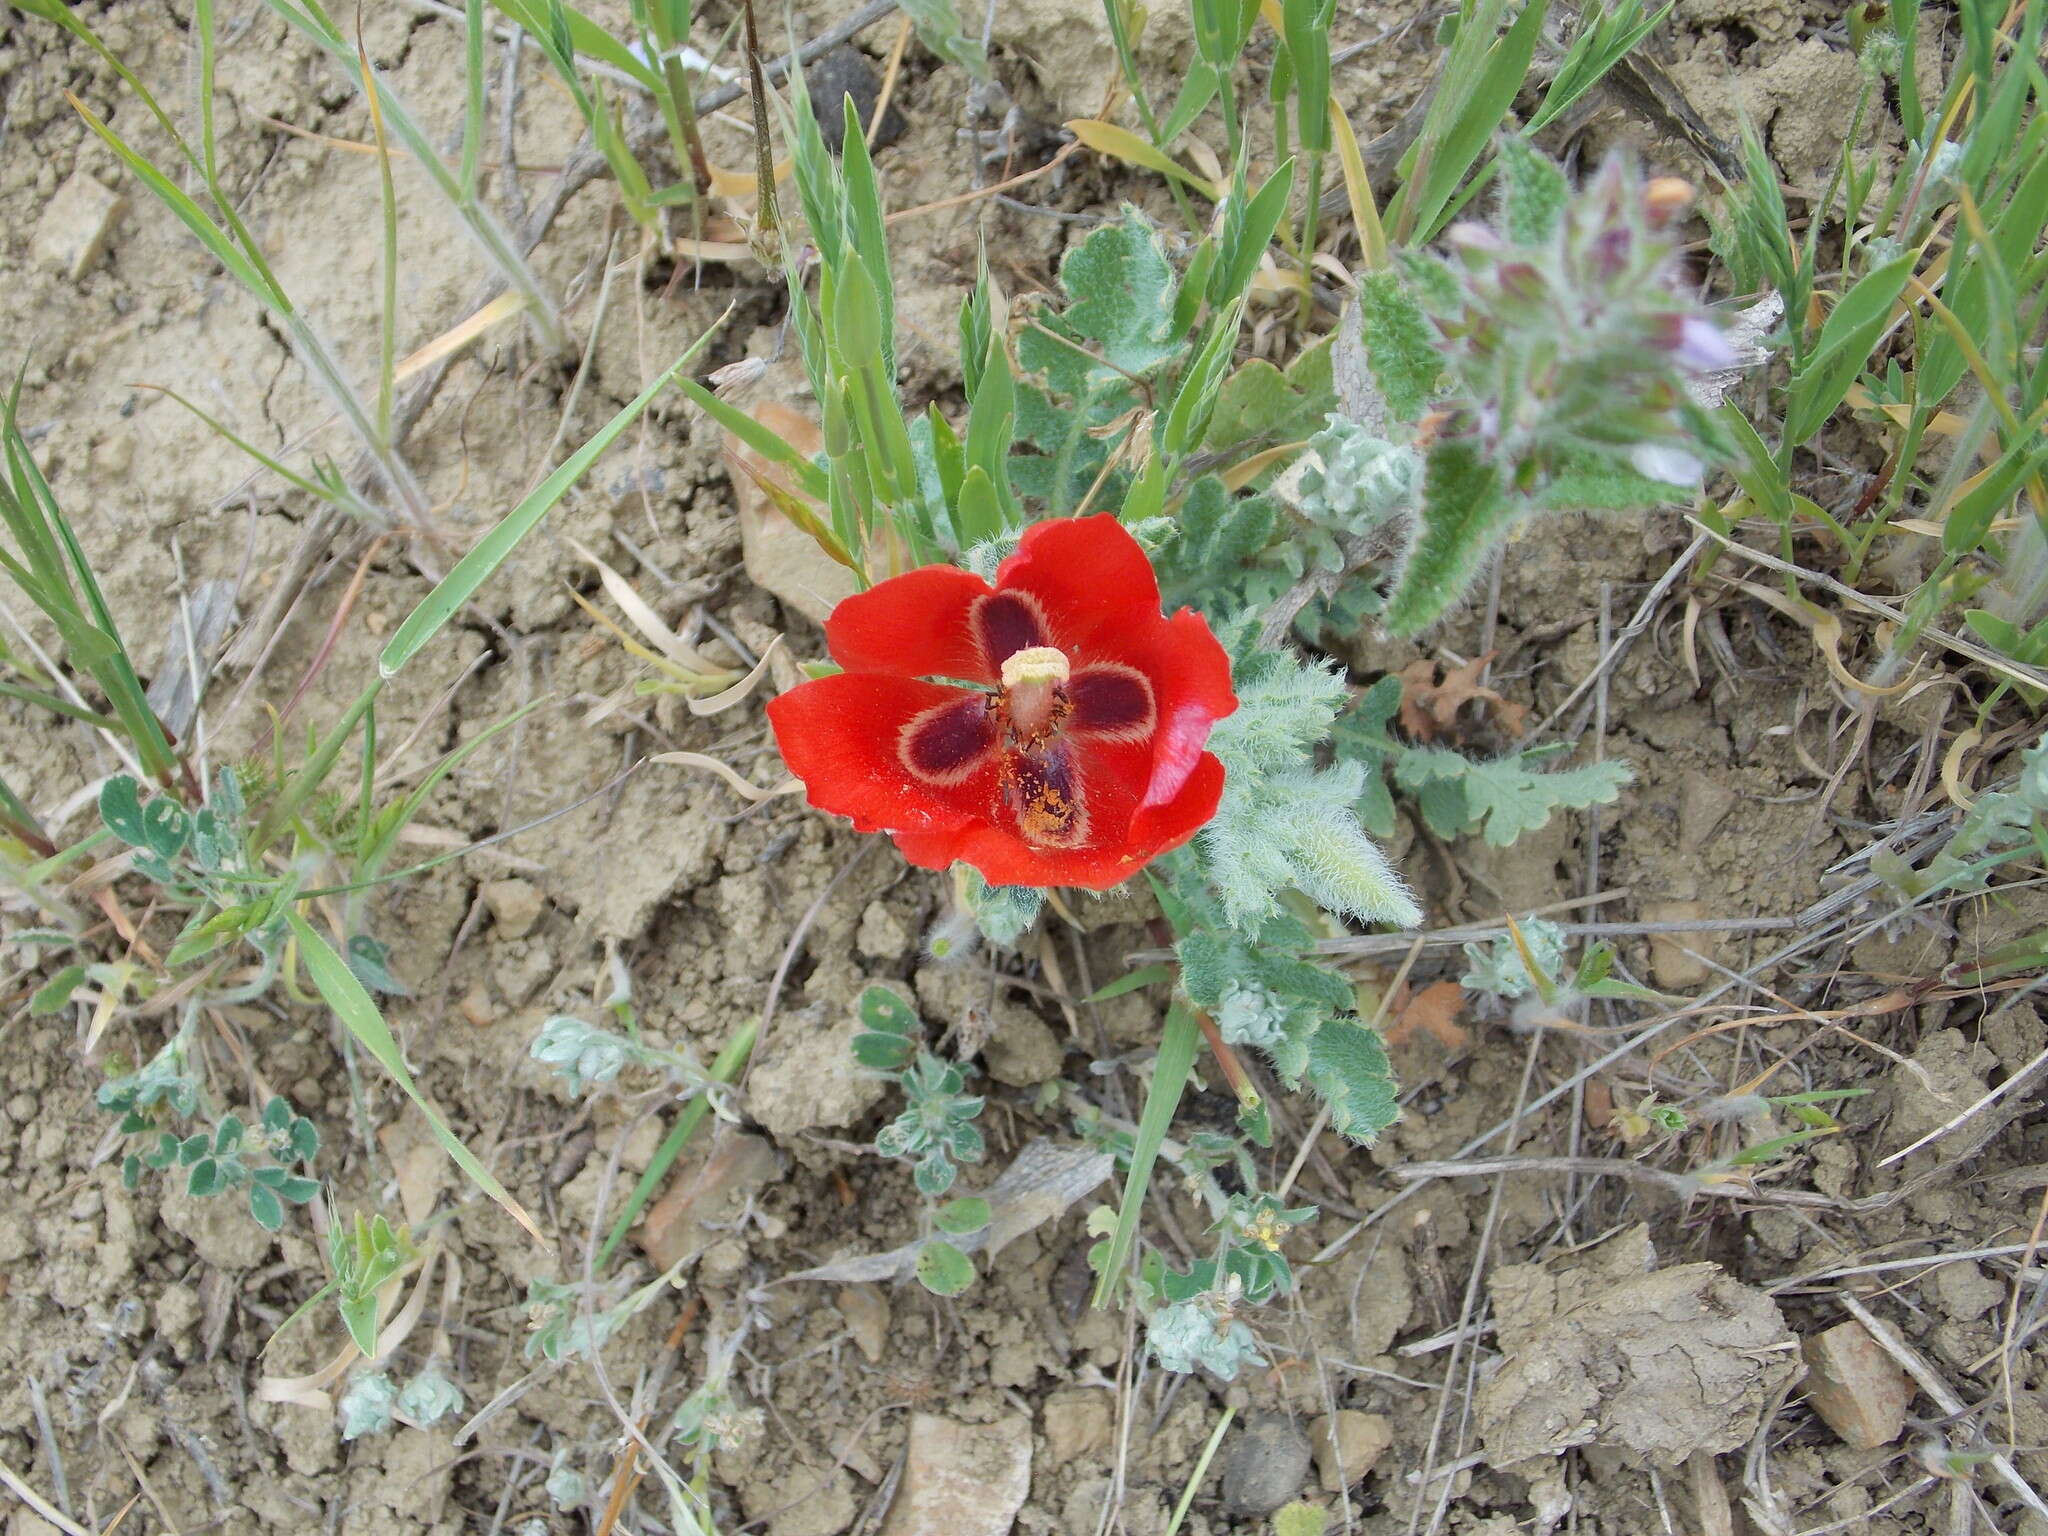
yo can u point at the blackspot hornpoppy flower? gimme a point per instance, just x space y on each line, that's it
1047 730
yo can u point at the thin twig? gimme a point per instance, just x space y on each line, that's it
1635 626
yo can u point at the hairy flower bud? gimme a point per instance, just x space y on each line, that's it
1566 338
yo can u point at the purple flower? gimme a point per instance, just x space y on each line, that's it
1696 343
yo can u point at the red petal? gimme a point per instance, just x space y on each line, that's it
1165 826
913 625
1190 675
945 745
1110 701
1005 623
1089 574
1005 859
843 735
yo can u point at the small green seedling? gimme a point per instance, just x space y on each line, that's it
363 1257
935 1133
221 1161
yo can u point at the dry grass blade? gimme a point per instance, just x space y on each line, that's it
2019 1085
734 782
39 1504
718 703
643 618
2032 677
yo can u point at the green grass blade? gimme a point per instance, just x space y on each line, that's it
387 191
36 519
866 231
587 38
810 479
188 213
314 22
221 429
473 93
724 1069
355 1008
1178 1043
303 781
380 839
255 277
1820 384
476 567
1451 141
1605 38
58 706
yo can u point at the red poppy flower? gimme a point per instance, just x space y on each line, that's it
1064 746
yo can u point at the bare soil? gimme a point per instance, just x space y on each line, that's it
132 1324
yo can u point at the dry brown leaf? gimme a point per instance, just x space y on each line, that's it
1430 704
1434 1010
1418 685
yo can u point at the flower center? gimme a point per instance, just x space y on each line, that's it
1034 691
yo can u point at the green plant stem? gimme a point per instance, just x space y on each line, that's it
1819 213
724 1069
387 331
1178 1043
1309 216
55 705
20 822
1234 1074
1194 1483
1128 61
1233 129
312 774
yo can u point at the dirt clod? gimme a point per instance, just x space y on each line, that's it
846 73
515 906
1655 1366
1857 1389
1078 1423
866 1311
77 225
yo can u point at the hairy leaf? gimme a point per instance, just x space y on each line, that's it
1532 191
1347 1068
1505 798
1463 509
1400 343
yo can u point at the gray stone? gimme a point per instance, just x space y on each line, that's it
1265 1466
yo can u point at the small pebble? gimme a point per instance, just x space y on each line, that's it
76 225
843 72
1857 1389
